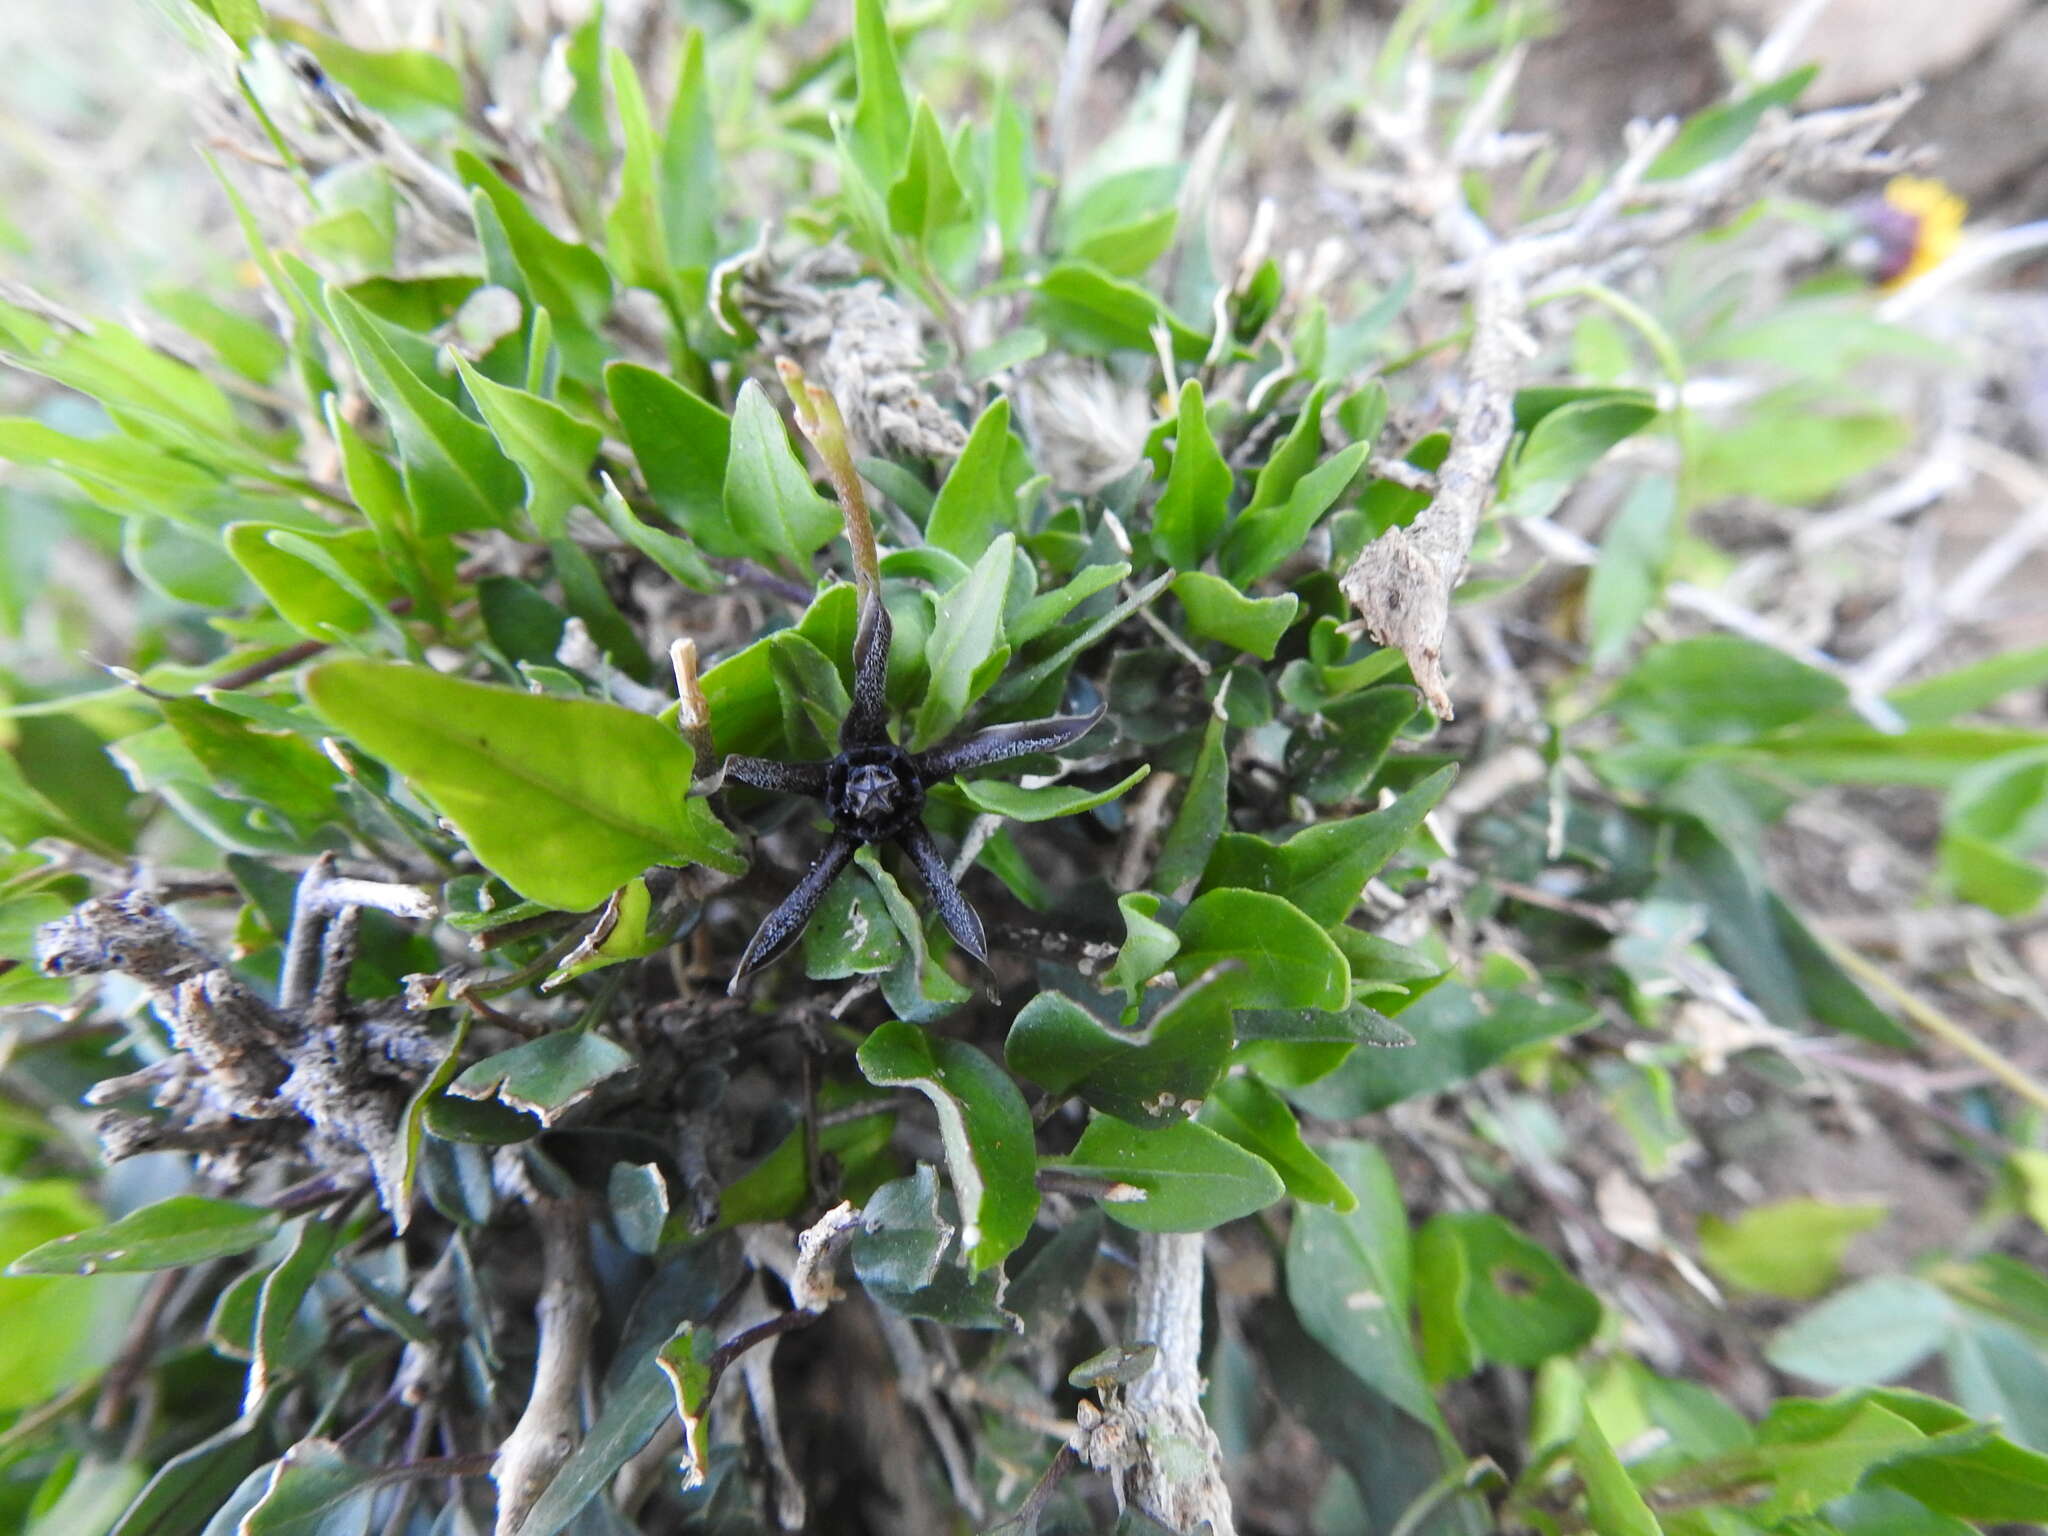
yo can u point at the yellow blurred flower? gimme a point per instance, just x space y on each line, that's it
1915 227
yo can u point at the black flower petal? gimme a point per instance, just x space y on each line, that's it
1001 742
961 919
781 928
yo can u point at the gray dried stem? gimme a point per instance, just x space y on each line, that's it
1174 1466
1401 583
551 1424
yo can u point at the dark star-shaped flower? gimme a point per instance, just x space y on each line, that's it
874 792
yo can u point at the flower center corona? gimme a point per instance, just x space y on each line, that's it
873 793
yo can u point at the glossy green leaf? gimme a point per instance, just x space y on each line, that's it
1287 960
303 593
1092 312
978 498
984 1125
880 130
1790 1248
1183 1178
184 1229
1349 1279
284 772
1338 762
455 474
679 558
927 197
1045 802
682 444
565 799
1150 1077
1875 1330
852 933
553 450
968 633
1720 688
1488 1293
1188 518
1203 813
1613 1501
769 501
545 1077
1218 611
1148 944
1458 1034
1323 869
1259 1120
1563 446
1263 536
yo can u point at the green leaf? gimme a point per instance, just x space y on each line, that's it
1786 451
1323 869
303 593
852 933
635 233
1349 1281
1259 1120
1218 611
313 1490
1967 689
1629 577
1045 802
565 799
1790 1248
1184 1178
927 197
1148 945
545 1077
284 772
1150 1077
1993 828
1719 688
991 1158
966 636
1187 520
880 131
1204 813
554 451
1613 1502
1563 446
283 1291
1971 1476
1875 1330
637 1194
1288 960
1816 1452
1487 1293
899 1259
769 502
455 475
689 164
682 445
904 1236
564 277
1337 763
54 1331
978 499
1458 1034
1048 608
917 986
1722 129
1092 312
677 557
185 1229
1264 536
